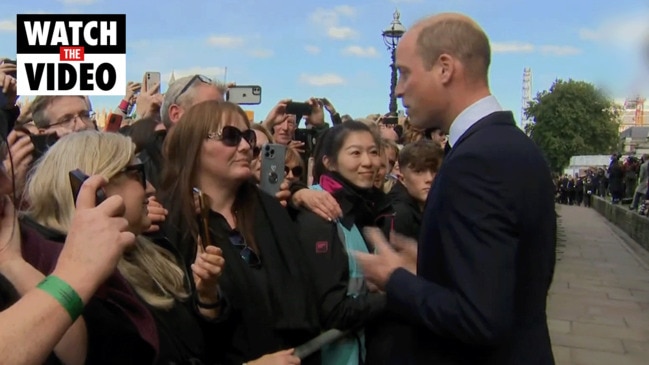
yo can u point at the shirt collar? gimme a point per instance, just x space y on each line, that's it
471 115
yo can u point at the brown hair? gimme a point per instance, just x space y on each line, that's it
182 149
264 130
421 155
292 155
458 36
39 105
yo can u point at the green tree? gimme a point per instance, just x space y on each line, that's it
573 118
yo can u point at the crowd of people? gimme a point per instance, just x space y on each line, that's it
624 180
155 243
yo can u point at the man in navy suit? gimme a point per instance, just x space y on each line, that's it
486 251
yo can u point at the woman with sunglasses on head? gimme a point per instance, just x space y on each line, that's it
154 315
266 279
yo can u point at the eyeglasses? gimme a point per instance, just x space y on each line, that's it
69 119
256 151
201 78
246 252
135 171
297 171
231 136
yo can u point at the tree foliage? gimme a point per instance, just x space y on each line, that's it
573 118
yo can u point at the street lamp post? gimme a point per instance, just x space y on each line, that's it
391 36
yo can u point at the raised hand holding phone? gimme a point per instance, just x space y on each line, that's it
96 240
77 178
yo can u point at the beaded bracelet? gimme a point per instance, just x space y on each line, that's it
64 294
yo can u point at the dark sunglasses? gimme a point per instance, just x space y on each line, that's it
246 252
231 136
201 78
136 171
256 151
297 171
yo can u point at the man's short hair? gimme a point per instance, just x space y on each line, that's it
173 93
459 37
421 155
40 104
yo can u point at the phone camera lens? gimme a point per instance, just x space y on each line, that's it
267 147
266 154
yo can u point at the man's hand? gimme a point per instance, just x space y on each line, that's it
96 240
131 89
328 105
297 145
276 115
379 267
9 86
149 102
19 159
316 118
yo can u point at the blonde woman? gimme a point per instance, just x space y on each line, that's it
155 274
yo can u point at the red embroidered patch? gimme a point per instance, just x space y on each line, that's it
321 247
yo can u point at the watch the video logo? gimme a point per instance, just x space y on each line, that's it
60 54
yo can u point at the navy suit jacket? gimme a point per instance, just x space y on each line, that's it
486 255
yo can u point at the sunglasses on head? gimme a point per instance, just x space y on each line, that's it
231 136
201 78
297 170
246 252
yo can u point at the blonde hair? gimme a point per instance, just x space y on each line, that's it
149 268
292 155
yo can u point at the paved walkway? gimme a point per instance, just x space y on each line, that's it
598 307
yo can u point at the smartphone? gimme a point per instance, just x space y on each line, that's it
204 225
42 142
77 177
308 137
273 158
295 108
244 94
150 79
12 73
114 123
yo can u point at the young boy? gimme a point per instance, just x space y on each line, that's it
418 164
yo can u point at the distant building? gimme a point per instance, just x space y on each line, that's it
629 118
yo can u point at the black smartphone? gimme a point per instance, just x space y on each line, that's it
298 108
77 177
12 73
42 142
308 137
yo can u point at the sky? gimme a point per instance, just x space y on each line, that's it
298 49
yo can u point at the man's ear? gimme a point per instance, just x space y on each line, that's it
446 64
175 111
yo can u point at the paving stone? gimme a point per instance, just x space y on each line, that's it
591 357
598 304
604 331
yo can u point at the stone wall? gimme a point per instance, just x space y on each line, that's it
633 224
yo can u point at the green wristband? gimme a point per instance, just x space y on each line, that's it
64 294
